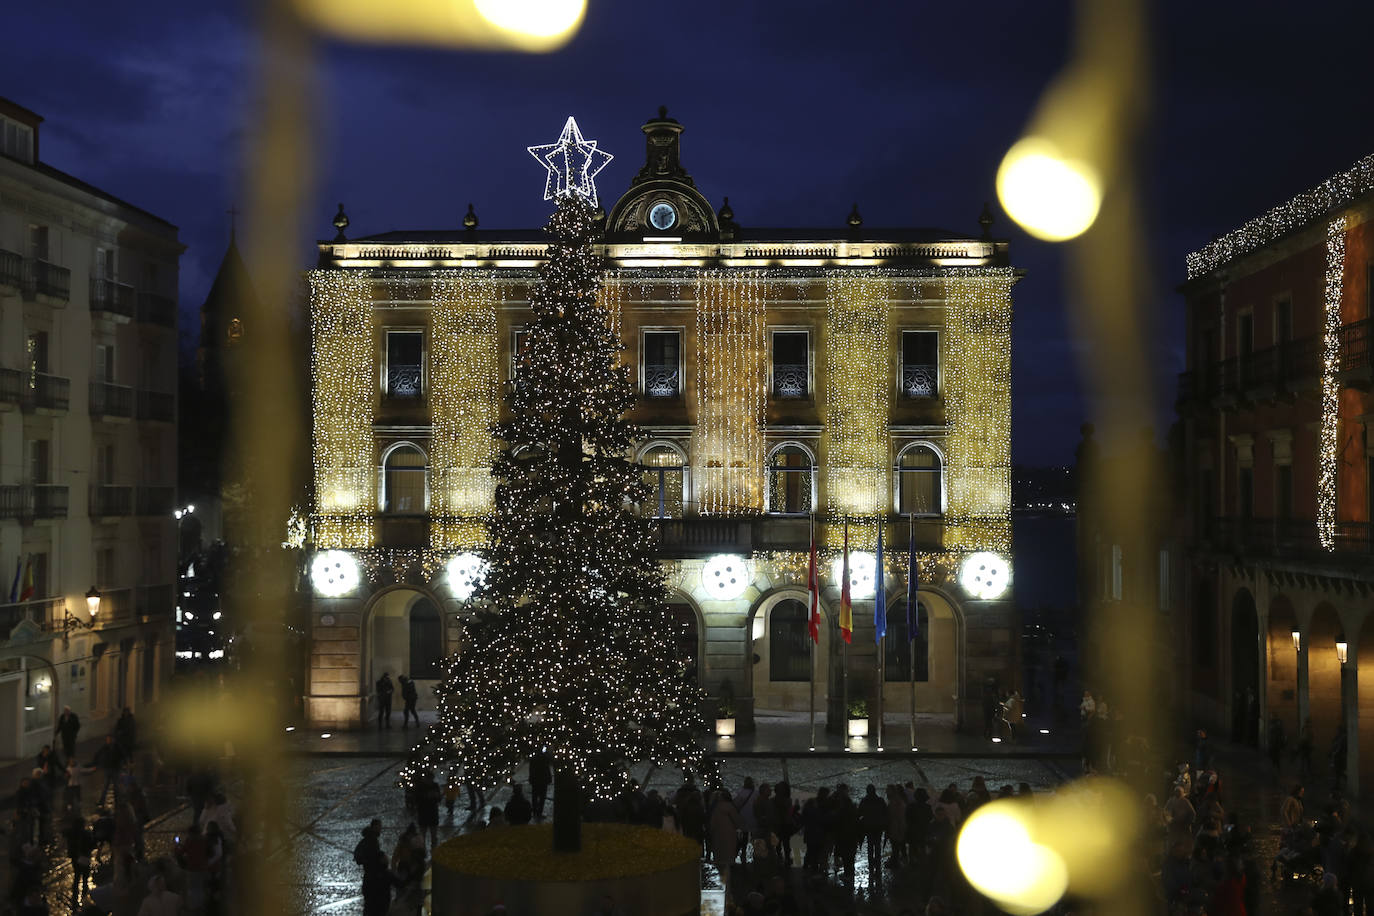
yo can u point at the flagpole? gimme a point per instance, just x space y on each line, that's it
844 658
811 643
913 616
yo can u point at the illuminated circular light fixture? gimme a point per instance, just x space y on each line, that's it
466 571
862 566
535 18
333 573
1052 197
725 576
999 858
985 575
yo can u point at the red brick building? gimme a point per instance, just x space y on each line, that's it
1278 423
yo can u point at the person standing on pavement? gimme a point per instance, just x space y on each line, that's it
409 696
873 816
541 774
68 724
427 795
80 845
109 759
518 811
724 832
126 732
384 691
376 873
744 804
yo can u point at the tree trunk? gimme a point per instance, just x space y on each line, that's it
567 812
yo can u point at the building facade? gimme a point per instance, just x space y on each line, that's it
852 374
1276 406
88 368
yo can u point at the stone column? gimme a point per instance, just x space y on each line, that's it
1350 715
1302 686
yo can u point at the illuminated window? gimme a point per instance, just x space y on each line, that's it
662 364
405 481
789 655
920 364
918 481
404 364
791 366
662 467
789 481
897 645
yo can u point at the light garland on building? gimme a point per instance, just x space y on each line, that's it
732 377
976 379
343 388
1331 364
858 396
1337 191
464 399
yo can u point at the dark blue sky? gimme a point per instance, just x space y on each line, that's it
794 109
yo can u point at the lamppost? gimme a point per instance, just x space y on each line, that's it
71 622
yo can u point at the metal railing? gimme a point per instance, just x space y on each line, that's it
404 380
11 269
1355 345
662 381
51 392
156 405
30 501
156 500
114 298
110 400
1286 536
790 380
44 279
116 606
47 613
918 381
111 501
156 309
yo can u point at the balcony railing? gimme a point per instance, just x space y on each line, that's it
11 270
109 400
49 501
918 381
1355 348
155 405
44 279
155 309
116 606
1256 376
1287 537
30 501
112 298
45 612
662 381
156 500
111 502
790 380
12 501
50 392
706 535
404 380
11 386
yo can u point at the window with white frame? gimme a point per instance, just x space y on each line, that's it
789 481
404 479
404 363
16 140
662 363
920 364
919 484
791 364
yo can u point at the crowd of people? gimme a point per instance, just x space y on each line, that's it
101 835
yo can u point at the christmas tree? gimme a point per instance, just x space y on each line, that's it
572 648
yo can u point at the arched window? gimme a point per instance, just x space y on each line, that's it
918 481
405 481
426 640
789 481
663 473
897 650
789 656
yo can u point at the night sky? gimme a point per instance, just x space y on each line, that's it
794 109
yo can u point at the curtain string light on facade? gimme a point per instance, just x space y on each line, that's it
344 384
976 380
1331 357
727 445
611 297
858 396
464 403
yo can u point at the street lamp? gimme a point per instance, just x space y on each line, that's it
93 602
1297 640
1341 653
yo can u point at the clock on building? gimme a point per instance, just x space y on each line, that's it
662 215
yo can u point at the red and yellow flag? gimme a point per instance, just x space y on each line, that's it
846 605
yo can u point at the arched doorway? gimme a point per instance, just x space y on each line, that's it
404 634
782 644
1323 679
936 659
1245 669
1282 667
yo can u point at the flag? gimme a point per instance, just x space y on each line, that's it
26 590
879 592
813 585
18 570
913 584
846 605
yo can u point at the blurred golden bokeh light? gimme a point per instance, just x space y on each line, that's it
522 25
1001 860
1052 197
534 18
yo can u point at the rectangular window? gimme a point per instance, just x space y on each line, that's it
1245 492
920 364
105 263
38 242
104 363
662 364
404 366
38 461
105 464
16 140
1283 492
791 364
40 575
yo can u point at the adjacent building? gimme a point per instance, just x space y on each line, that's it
88 445
846 372
1277 591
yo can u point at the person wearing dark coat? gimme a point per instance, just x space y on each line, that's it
377 878
384 691
518 810
410 696
541 774
68 724
427 798
814 819
848 831
109 759
126 732
80 845
199 785
873 818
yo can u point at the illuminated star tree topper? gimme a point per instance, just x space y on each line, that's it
572 162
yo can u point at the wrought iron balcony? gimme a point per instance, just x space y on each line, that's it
662 381
13 502
109 400
46 613
48 280
1355 347
112 298
11 270
155 500
50 392
790 380
156 405
11 386
1286 537
918 381
404 380
116 606
111 502
155 309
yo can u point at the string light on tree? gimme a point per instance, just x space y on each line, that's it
573 164
1331 364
